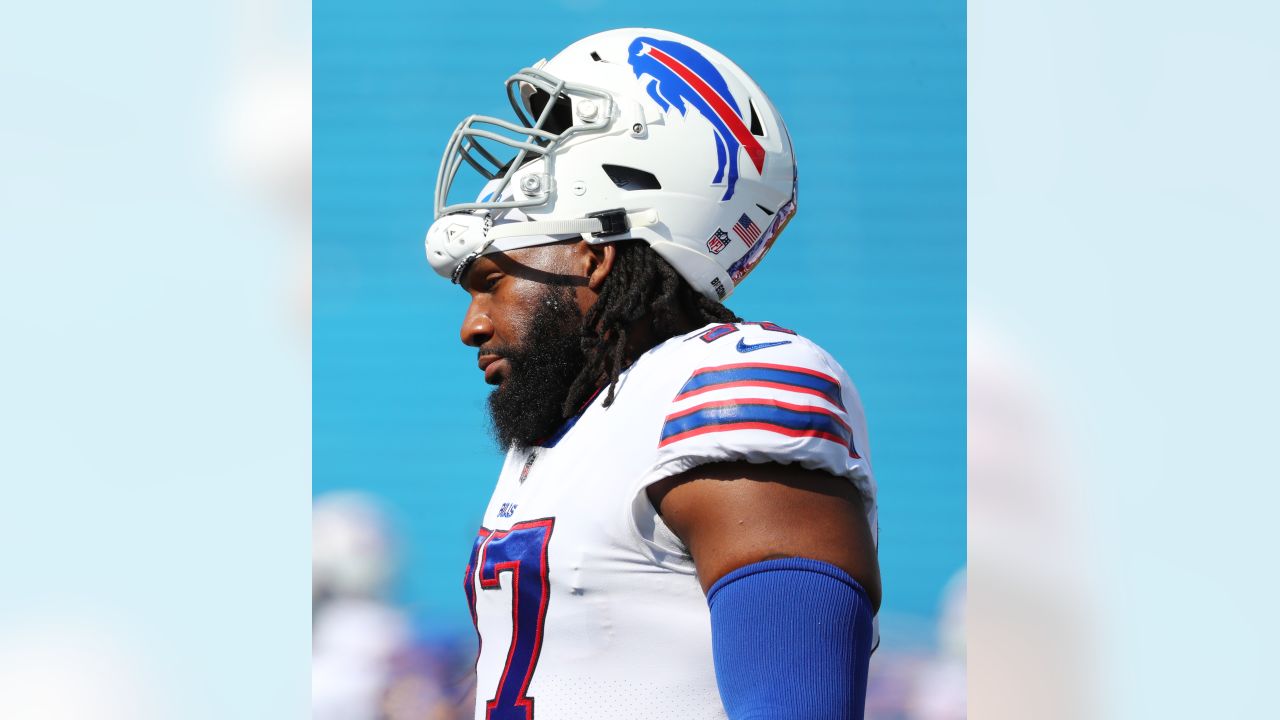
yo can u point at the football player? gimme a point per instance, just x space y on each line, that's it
685 523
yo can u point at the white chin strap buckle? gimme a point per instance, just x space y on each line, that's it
454 239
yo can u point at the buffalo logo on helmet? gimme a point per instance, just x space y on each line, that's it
681 74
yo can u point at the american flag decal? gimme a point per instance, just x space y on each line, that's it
747 229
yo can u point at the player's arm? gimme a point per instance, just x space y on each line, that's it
788 561
733 514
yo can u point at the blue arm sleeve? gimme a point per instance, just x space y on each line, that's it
791 639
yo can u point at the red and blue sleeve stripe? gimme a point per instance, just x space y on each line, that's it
758 414
767 375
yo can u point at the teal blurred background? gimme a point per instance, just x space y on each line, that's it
872 268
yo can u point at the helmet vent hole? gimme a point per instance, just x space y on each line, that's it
755 119
766 210
596 56
628 178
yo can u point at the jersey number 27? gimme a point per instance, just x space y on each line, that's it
521 551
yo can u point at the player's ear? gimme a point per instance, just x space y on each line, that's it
598 261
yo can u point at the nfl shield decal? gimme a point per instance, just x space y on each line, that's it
718 241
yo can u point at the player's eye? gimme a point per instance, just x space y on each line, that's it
490 281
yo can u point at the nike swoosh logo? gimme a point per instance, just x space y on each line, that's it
743 347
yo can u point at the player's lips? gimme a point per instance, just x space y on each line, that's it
493 366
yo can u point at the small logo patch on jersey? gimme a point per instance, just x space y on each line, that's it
507 510
743 347
528 465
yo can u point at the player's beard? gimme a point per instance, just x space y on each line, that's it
528 406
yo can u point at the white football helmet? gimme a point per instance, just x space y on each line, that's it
627 134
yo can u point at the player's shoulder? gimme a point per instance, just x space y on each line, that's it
748 351
744 343
761 392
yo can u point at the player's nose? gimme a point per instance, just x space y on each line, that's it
477 328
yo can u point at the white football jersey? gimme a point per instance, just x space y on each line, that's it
586 604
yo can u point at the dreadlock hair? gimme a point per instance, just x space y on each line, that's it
642 293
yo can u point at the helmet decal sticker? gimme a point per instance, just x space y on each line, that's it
718 241
745 264
679 74
747 229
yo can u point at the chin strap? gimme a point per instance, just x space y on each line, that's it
599 224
